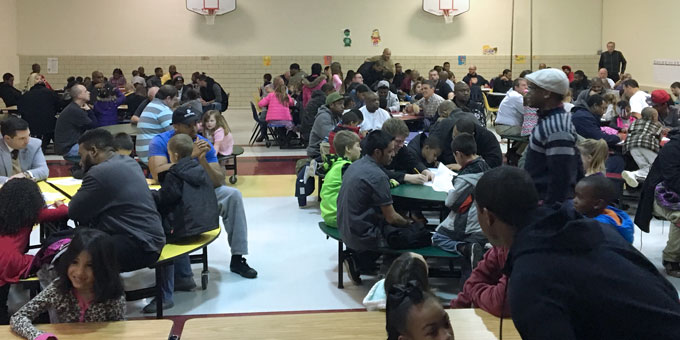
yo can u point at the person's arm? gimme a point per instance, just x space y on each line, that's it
120 97
486 286
89 201
392 217
22 321
562 165
218 94
264 102
209 162
116 312
158 164
218 136
623 63
38 168
49 215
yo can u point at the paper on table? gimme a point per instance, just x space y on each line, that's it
66 181
52 196
443 179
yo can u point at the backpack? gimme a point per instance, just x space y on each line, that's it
414 236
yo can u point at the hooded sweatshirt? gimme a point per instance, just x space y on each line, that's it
323 124
622 223
574 278
486 287
186 200
309 113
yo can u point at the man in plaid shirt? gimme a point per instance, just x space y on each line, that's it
644 138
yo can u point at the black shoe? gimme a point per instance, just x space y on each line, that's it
185 285
672 268
351 269
151 307
242 268
473 253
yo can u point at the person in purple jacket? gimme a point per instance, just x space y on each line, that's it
108 100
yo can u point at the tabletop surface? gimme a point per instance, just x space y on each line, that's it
467 324
421 192
117 128
137 329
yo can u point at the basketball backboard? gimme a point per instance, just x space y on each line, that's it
203 7
437 7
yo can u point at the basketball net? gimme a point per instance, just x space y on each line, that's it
448 16
210 17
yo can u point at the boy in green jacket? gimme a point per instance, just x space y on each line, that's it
347 150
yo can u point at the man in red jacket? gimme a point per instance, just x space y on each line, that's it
485 288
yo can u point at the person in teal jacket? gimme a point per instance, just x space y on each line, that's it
347 149
594 194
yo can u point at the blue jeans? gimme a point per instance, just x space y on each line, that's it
179 269
73 152
444 242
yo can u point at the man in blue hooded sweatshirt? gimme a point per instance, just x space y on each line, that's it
571 277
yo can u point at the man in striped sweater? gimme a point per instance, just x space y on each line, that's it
155 119
552 159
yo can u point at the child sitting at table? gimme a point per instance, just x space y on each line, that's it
88 287
349 122
188 206
415 313
460 232
643 140
623 117
593 196
278 105
594 154
21 207
123 144
217 131
425 151
486 286
348 150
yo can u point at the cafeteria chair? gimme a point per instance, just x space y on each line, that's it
225 161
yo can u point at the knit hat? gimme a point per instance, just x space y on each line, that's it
660 96
550 79
333 97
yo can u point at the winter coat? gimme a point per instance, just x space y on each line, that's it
309 113
39 108
587 125
625 228
486 286
186 200
309 86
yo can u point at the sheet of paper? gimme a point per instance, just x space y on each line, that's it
66 181
52 196
443 178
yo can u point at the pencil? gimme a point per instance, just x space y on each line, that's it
418 172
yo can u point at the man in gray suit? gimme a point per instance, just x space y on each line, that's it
20 154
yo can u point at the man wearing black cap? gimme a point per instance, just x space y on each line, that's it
229 199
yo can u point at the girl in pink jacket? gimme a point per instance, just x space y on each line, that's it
278 105
216 129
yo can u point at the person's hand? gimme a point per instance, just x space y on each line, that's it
203 102
201 148
408 109
624 130
428 174
58 203
19 175
415 179
665 131
453 167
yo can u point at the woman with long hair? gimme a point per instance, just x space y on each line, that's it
336 72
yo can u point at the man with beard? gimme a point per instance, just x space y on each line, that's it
116 199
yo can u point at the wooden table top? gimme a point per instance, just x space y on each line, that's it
137 329
467 324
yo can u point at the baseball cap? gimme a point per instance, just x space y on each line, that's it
383 83
184 115
550 79
660 96
333 97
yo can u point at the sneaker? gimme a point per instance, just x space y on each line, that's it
151 307
242 268
310 170
472 252
351 270
672 268
185 285
630 179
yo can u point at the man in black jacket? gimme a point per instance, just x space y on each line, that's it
213 96
613 61
9 94
443 130
404 160
570 277
39 107
487 145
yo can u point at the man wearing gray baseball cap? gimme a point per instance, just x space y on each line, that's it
552 159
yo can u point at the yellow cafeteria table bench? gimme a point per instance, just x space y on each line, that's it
468 324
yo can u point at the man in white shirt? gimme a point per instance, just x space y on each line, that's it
638 98
511 111
604 75
374 116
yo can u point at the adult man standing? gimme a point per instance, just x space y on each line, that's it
229 200
636 97
604 75
73 121
511 110
613 61
326 120
155 119
552 159
39 108
20 155
566 271
9 94
399 75
384 60
116 199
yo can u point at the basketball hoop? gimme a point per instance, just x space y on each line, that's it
210 15
448 16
